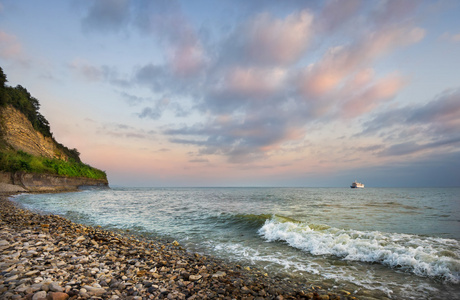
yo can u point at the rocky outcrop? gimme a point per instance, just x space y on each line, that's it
19 134
47 183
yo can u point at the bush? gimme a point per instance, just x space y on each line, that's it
11 161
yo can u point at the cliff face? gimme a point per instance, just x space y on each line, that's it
46 183
19 134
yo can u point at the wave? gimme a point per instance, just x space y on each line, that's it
423 256
251 222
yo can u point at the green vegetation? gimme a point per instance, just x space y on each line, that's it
14 161
19 161
20 98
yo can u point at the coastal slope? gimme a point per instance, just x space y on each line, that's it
31 159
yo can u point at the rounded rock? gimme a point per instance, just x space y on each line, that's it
39 295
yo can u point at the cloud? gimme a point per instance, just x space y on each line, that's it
255 109
414 147
442 114
10 47
369 98
199 161
252 85
341 62
162 19
156 111
270 40
184 49
336 13
123 131
93 73
450 37
241 138
160 79
107 15
241 85
133 100
154 76
435 123
394 12
88 71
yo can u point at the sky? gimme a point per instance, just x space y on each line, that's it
245 93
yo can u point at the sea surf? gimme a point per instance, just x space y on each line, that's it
378 242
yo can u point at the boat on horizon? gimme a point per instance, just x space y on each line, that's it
356 185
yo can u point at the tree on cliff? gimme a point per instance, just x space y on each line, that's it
2 78
20 98
12 160
4 98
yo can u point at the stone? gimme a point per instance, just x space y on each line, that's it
14 277
219 274
39 295
79 239
30 273
21 288
194 277
344 292
97 291
55 287
57 296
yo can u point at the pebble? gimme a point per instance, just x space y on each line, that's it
47 257
39 295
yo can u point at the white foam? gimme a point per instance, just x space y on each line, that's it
423 256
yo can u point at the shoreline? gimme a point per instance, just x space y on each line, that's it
49 257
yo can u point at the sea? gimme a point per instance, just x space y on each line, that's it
384 243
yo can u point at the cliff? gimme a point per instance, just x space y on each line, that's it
30 158
44 183
19 134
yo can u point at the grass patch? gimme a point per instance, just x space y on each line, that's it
20 161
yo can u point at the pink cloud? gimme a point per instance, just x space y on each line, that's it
271 40
451 37
254 82
383 41
339 64
88 71
361 78
10 47
187 58
366 100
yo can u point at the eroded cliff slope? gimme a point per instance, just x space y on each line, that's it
19 134
30 158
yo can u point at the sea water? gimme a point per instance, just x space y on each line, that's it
376 242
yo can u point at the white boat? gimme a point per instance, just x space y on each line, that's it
356 185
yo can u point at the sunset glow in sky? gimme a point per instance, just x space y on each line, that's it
245 93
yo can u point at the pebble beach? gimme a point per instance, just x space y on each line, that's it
50 257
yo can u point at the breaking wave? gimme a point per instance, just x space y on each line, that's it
423 256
